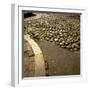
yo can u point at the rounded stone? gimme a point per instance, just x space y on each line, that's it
75 49
51 40
68 47
56 39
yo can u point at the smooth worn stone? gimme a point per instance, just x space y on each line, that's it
51 40
56 39
68 47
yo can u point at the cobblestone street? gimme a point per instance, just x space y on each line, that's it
58 37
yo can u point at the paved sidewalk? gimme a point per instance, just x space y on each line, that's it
28 60
60 61
38 64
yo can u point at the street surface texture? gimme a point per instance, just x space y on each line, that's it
58 39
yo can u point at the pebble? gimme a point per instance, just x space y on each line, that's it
51 40
56 39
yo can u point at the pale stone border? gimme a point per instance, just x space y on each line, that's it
39 60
